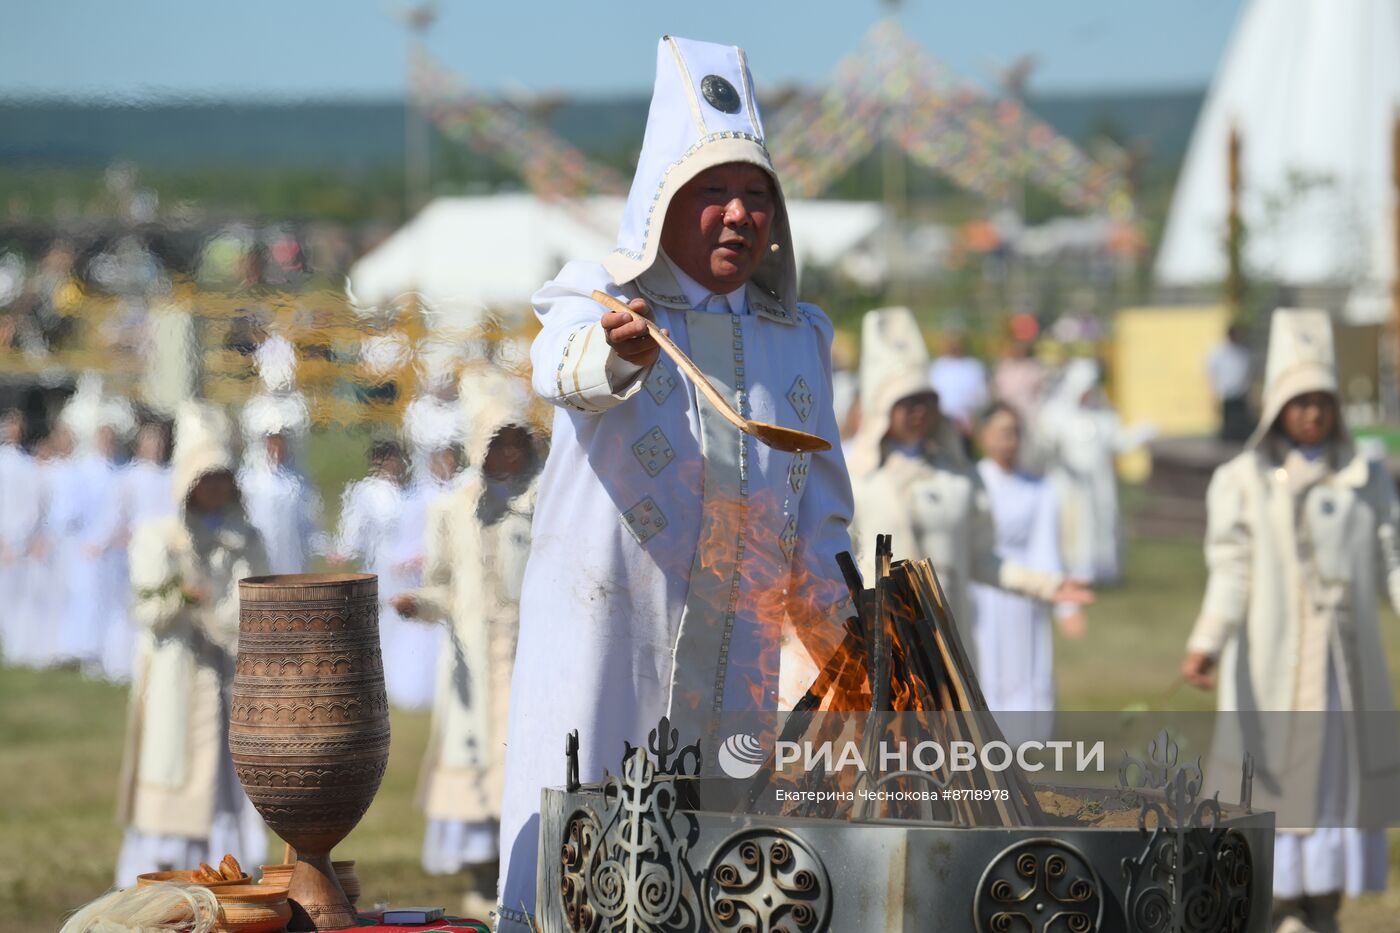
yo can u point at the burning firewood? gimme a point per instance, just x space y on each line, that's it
902 655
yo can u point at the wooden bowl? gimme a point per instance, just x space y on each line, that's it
281 875
185 877
349 881
252 908
277 875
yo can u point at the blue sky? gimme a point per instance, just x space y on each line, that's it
316 48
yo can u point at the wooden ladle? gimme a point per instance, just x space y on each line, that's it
775 436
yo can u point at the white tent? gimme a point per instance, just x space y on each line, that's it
1313 87
460 256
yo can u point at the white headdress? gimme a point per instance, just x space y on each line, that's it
1302 359
893 366
703 113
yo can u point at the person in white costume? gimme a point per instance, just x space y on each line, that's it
93 553
279 499
1081 435
281 502
432 420
43 598
180 800
913 482
960 381
1015 648
20 503
1300 539
146 478
625 616
417 646
478 538
143 485
370 518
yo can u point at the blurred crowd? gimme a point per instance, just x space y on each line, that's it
48 282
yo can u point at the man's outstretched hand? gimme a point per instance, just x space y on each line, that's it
628 336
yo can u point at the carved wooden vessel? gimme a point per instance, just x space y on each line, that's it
309 722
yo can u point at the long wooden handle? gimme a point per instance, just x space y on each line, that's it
683 362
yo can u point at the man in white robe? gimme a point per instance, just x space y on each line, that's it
660 528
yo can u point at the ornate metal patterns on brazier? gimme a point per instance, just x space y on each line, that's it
627 869
1039 886
766 881
1193 876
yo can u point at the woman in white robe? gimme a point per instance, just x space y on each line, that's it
180 800
1014 641
1301 537
661 529
370 519
93 526
284 506
418 646
145 492
43 596
478 538
146 480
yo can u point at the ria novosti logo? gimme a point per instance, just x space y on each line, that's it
741 756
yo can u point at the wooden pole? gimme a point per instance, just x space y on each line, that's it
1234 231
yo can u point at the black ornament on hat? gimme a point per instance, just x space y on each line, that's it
720 94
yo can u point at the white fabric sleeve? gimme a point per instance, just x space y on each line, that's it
1229 557
1388 534
156 598
434 596
572 362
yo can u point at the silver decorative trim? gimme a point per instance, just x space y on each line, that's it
654 451
566 397
659 383
788 539
800 397
741 394
645 520
797 472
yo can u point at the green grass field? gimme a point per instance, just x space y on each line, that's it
62 738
